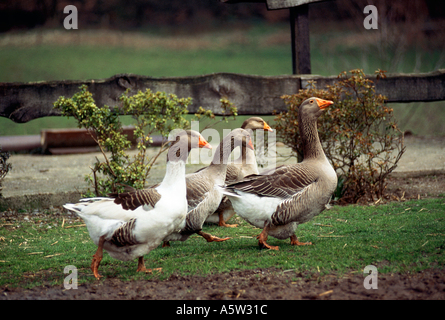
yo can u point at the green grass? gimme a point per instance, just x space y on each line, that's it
91 62
396 238
260 49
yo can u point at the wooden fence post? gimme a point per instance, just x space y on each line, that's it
299 27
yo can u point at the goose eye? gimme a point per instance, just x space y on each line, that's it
311 101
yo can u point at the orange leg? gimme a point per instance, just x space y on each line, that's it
222 223
262 238
141 267
294 241
211 238
97 258
165 244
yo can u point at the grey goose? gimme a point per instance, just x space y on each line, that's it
279 200
203 197
245 165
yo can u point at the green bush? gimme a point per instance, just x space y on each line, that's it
359 134
154 112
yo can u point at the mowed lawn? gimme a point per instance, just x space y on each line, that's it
398 237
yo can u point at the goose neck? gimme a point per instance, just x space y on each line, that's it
309 136
174 173
222 152
247 156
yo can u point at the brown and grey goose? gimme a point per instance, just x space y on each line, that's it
245 165
202 196
130 225
281 199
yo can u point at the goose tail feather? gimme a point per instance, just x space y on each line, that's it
226 191
72 207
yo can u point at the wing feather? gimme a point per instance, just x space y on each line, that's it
197 190
293 208
124 235
202 198
132 200
283 183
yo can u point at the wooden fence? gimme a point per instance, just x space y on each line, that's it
253 95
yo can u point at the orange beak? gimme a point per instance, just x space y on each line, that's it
203 143
323 104
250 144
267 127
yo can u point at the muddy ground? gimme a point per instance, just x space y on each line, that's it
258 284
269 284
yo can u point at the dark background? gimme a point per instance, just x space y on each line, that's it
200 14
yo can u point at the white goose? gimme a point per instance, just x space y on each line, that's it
132 224
202 196
245 165
278 200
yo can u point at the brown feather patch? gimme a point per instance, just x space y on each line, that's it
124 236
133 200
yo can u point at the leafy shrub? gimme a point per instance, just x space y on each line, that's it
359 134
154 112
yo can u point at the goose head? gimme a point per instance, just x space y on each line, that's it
313 107
256 123
185 140
239 137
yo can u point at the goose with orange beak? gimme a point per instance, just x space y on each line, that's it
131 224
245 165
202 196
279 200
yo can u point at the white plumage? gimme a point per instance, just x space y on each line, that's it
132 224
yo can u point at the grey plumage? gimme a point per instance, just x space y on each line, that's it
297 192
202 197
245 165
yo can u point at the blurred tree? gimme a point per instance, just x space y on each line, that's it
141 13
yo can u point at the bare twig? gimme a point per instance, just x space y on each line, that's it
78 225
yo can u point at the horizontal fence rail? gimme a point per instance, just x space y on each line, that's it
253 95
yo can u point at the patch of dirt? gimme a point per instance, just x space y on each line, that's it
249 285
264 284
423 185
261 284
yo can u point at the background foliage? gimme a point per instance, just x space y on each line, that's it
154 112
359 134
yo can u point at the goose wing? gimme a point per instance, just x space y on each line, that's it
197 190
232 173
284 182
295 208
124 235
132 200
202 199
